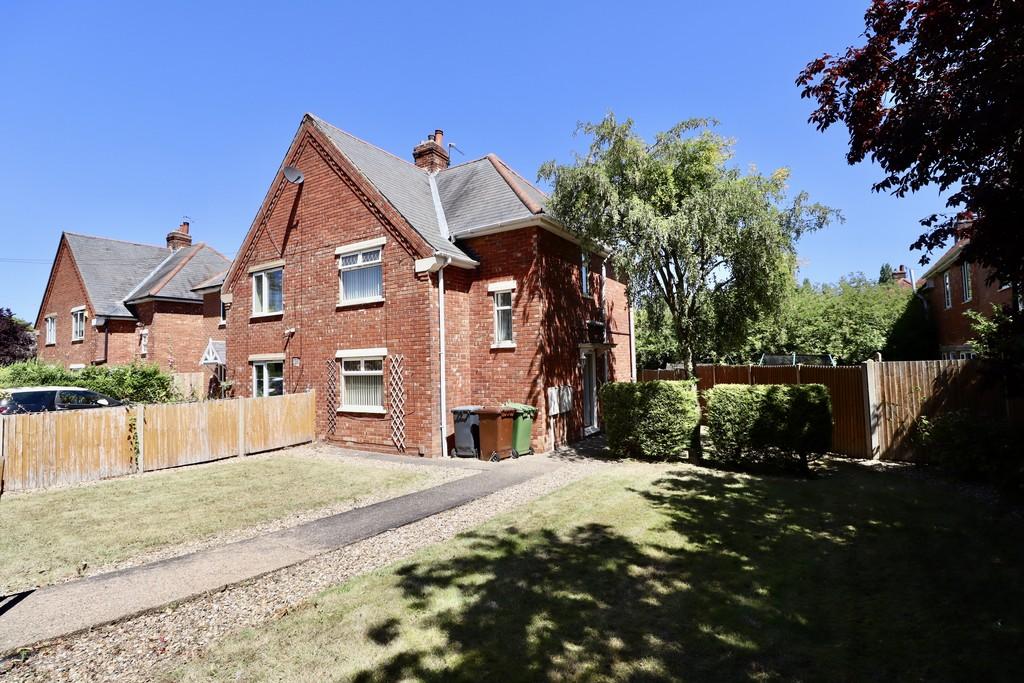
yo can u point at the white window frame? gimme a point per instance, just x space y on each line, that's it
51 330
585 273
144 343
496 289
78 323
379 354
361 249
965 281
261 366
947 289
224 313
261 276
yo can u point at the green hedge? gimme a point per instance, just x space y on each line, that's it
650 420
973 447
774 424
135 383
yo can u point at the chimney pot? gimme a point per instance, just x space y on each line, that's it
183 227
431 154
180 238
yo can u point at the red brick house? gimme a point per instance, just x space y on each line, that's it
110 301
399 289
953 286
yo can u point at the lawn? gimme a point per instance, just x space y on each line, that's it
657 573
47 536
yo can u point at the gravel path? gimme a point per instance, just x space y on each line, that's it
433 476
142 647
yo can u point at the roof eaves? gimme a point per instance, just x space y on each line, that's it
945 260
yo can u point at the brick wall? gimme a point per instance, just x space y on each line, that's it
305 233
953 328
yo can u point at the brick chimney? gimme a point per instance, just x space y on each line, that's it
179 239
900 273
431 153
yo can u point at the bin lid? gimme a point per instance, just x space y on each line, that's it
465 409
527 410
495 410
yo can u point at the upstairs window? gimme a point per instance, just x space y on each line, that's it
947 290
51 330
223 314
965 275
144 343
585 273
360 273
268 379
78 324
268 292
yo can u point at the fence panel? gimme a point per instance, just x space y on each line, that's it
187 433
191 385
279 421
68 447
775 374
849 413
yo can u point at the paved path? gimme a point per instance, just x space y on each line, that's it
77 605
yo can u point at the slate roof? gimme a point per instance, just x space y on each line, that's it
114 271
472 195
211 282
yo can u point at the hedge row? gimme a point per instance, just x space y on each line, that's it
776 424
135 383
973 447
650 420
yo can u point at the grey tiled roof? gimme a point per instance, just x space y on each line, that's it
474 195
186 268
111 269
215 281
114 271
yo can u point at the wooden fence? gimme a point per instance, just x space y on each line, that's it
59 448
874 405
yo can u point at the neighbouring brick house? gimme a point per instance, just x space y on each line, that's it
953 286
110 301
355 258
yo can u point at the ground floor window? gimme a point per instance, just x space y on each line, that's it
144 343
268 378
362 384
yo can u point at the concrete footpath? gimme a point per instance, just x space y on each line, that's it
66 608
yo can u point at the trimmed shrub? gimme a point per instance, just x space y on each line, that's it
650 420
135 383
973 447
772 424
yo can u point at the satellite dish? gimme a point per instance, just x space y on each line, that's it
293 175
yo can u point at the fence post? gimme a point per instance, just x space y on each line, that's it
241 426
140 422
871 418
3 453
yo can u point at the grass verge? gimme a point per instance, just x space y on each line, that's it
658 573
49 535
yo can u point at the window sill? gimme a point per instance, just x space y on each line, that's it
78 341
360 302
50 344
369 410
222 323
259 316
503 345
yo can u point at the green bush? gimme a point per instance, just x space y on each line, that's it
650 420
973 447
771 424
135 383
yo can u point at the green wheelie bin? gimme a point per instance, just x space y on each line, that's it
522 428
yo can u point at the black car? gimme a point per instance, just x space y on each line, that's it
44 399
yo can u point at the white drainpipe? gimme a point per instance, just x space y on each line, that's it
444 372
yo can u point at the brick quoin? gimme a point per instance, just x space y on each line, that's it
304 224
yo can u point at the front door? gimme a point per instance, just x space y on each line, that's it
589 393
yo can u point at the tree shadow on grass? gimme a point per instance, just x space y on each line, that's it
740 578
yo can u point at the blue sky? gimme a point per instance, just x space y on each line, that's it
120 118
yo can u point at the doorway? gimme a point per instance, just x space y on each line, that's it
589 393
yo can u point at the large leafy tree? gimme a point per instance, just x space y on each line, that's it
852 320
17 343
935 96
715 245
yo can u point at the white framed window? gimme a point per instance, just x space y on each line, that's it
360 272
585 273
223 314
268 291
965 276
78 324
362 380
144 343
267 378
947 290
51 330
503 318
